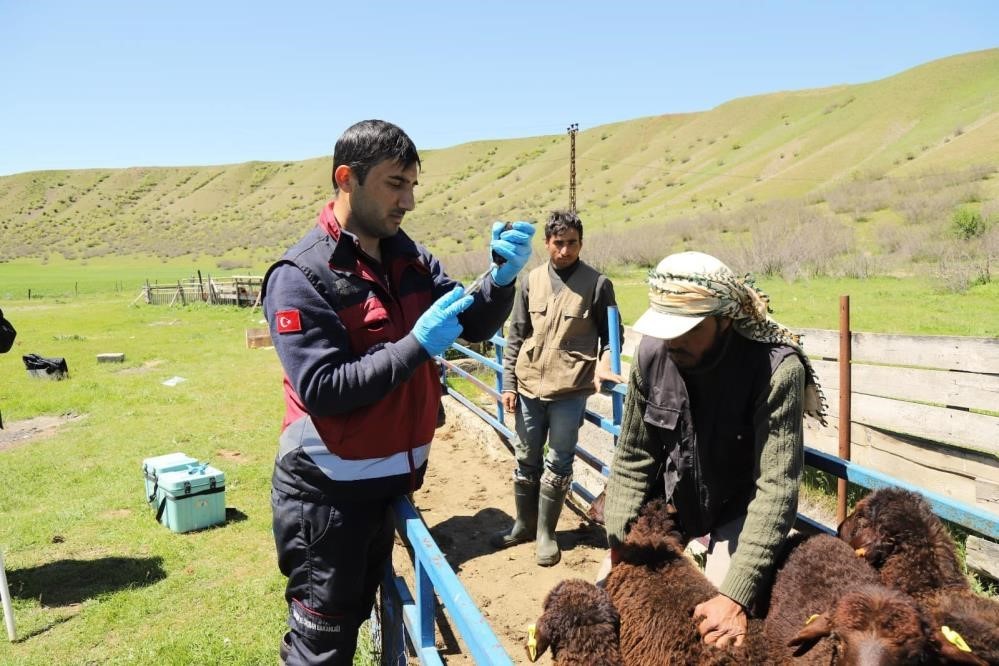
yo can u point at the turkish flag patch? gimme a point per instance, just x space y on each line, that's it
288 321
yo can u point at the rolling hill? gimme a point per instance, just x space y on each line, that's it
877 162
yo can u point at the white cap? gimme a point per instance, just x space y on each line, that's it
659 324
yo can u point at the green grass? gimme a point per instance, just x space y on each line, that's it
912 306
94 578
61 279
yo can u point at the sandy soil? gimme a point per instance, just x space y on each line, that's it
466 497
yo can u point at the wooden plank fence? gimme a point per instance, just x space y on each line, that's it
912 409
924 409
242 290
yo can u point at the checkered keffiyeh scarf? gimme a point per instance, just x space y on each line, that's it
724 294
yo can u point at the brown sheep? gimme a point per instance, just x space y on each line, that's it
828 607
974 618
655 588
579 625
899 535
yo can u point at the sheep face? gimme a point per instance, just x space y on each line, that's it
579 625
879 521
873 625
899 535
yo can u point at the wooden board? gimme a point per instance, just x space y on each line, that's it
983 556
943 387
950 426
941 352
929 454
258 337
963 475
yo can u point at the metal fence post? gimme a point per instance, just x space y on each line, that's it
499 383
392 627
426 605
614 326
845 391
8 607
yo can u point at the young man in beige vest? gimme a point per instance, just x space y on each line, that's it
557 354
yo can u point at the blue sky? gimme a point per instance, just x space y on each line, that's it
116 84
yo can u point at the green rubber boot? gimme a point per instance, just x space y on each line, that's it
552 498
525 498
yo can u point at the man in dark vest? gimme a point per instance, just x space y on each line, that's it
713 421
557 354
357 311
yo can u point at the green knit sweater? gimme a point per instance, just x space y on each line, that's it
779 454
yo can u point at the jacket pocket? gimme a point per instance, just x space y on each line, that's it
367 324
318 522
659 416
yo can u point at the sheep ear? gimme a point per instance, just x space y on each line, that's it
537 642
819 626
952 654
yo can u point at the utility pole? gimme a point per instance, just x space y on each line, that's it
573 129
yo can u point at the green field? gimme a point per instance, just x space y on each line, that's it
94 578
914 306
883 165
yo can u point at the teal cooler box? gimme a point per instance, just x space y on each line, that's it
152 468
191 498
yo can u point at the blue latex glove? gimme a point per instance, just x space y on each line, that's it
514 246
438 327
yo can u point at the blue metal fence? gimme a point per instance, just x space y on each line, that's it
405 616
433 575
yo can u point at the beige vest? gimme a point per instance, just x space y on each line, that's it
559 358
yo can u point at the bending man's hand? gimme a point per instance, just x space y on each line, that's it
438 327
724 621
509 402
513 245
605 374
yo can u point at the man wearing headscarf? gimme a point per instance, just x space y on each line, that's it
713 422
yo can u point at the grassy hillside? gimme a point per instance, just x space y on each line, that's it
874 169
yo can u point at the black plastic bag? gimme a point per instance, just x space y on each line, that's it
38 366
7 334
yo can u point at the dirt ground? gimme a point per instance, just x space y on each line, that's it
466 497
22 432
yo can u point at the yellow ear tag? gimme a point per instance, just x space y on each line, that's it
861 552
955 638
532 641
811 618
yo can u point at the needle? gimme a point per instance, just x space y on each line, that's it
477 283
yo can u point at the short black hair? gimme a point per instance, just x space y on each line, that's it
561 221
369 142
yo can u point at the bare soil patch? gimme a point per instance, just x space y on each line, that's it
466 497
145 367
16 433
231 455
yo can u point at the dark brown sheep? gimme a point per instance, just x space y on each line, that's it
828 607
655 588
579 625
899 535
974 618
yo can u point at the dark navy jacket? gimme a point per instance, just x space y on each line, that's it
361 394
